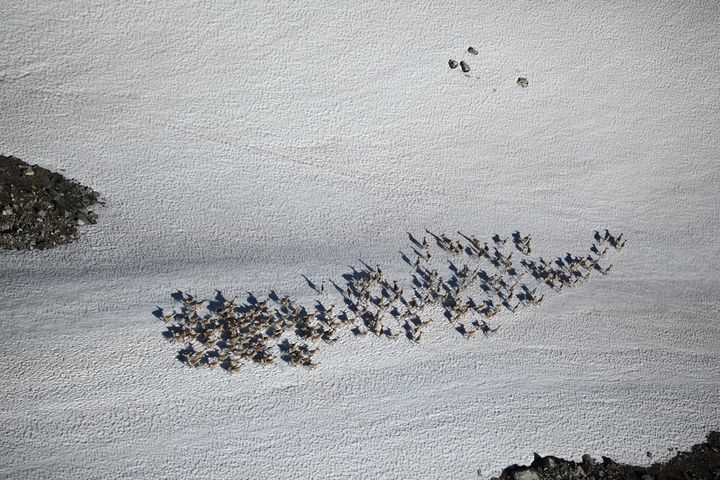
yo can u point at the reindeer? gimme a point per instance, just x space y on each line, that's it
195 359
537 300
491 331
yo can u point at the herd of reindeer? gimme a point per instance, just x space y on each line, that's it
478 281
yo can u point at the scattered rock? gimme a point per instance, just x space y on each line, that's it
525 474
714 439
702 462
523 82
464 66
452 63
609 463
588 460
472 50
40 209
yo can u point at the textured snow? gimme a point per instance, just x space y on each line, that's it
242 146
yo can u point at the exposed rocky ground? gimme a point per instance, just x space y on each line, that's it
701 462
40 209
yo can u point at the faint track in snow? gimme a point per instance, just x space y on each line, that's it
238 143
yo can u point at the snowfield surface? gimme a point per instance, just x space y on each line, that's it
240 147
